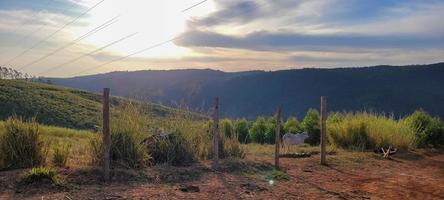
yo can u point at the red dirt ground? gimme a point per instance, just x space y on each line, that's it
348 176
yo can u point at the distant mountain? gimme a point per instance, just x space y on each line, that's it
58 106
390 89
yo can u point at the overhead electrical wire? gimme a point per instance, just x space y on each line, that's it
129 55
75 41
90 53
54 33
142 50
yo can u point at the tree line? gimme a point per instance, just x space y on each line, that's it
10 73
262 129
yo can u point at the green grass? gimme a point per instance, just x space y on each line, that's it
58 106
42 174
61 151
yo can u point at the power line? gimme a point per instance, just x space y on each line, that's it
55 32
90 53
142 50
195 5
91 32
129 55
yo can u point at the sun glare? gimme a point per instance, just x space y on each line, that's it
153 21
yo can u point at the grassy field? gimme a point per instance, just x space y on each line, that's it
63 107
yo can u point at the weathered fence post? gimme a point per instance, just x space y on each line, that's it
323 130
106 136
216 133
277 138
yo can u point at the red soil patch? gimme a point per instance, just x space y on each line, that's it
348 176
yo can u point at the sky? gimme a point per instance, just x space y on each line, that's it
63 38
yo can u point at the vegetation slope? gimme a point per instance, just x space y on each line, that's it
58 106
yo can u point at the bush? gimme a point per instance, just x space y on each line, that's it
429 130
292 125
231 148
311 125
226 127
350 134
270 130
127 135
257 130
60 154
174 150
368 131
241 130
21 145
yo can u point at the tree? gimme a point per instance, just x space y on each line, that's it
241 130
292 125
257 130
226 127
270 131
311 125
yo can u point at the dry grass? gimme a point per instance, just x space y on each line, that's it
362 130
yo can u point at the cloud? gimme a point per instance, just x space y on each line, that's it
287 41
238 13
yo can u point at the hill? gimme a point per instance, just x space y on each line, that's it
58 106
390 89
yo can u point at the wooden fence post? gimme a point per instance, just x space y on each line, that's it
106 136
216 133
277 138
323 130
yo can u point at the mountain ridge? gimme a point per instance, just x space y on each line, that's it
383 88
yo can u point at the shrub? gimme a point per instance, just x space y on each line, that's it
311 125
21 145
257 130
270 130
127 135
226 127
350 134
429 130
174 150
231 148
241 130
60 154
367 131
292 125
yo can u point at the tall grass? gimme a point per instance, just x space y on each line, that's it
196 133
363 130
20 144
127 130
61 151
175 150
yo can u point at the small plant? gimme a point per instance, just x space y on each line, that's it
60 154
21 145
42 174
277 175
